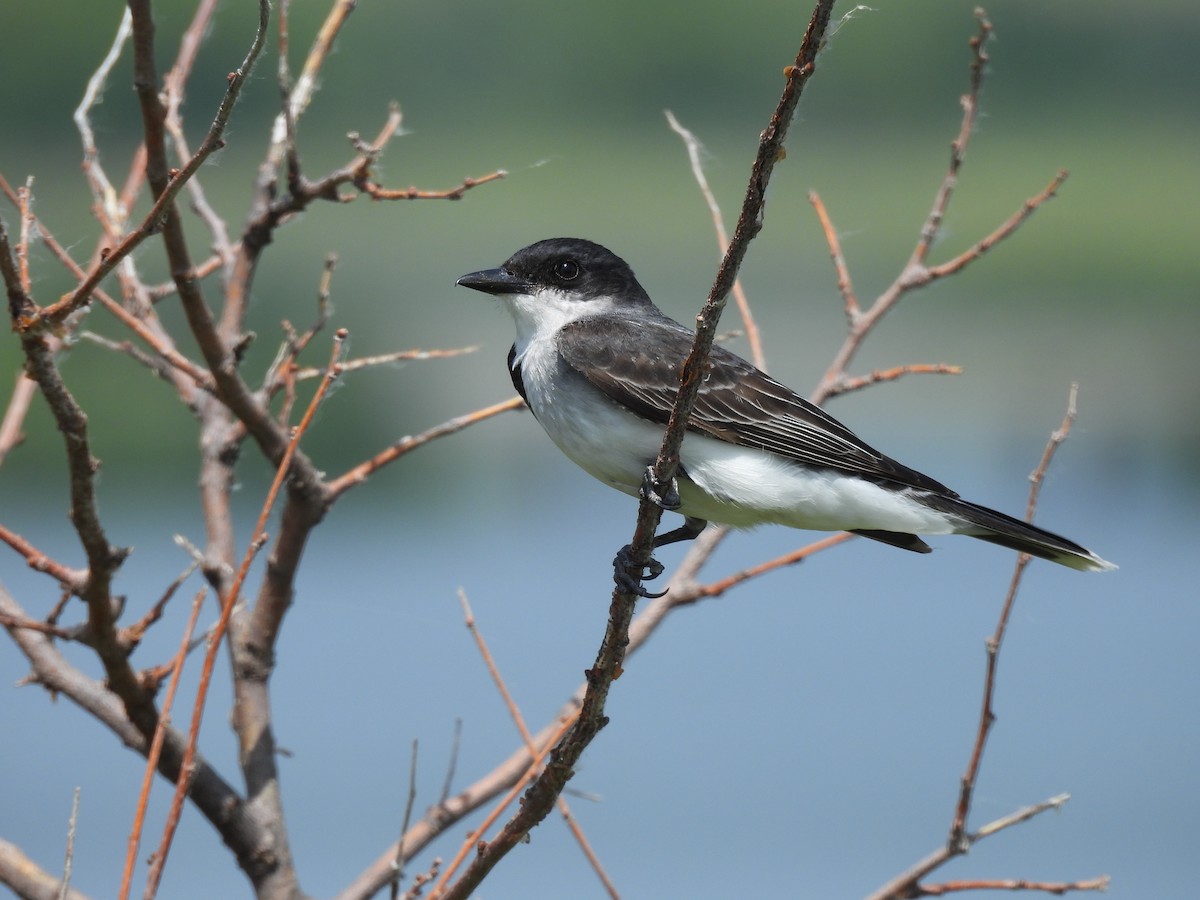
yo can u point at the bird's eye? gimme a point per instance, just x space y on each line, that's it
566 270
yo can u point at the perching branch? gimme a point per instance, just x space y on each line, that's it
539 799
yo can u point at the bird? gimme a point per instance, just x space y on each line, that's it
598 364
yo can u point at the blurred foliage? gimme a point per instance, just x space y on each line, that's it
1102 285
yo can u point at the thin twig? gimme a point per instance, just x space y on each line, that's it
1014 884
408 808
384 359
844 282
11 434
108 208
692 143
515 712
156 743
72 579
916 273
134 633
227 604
542 793
717 588
987 716
474 838
878 376
960 841
162 211
65 886
375 192
365 470
448 781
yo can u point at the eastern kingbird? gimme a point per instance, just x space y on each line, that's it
598 364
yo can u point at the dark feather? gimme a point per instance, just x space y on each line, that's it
514 371
637 364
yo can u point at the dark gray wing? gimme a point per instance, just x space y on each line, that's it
636 362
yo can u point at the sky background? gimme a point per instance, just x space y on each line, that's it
804 735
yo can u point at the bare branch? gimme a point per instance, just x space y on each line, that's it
519 720
216 800
72 579
844 282
408 808
156 744
166 184
916 273
692 143
879 376
958 826
1015 884
27 879
365 470
960 841
227 603
375 192
542 794
958 147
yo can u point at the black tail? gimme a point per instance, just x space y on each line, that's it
998 528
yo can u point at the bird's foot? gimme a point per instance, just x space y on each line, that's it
623 561
664 495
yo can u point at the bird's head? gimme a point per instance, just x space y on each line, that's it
558 280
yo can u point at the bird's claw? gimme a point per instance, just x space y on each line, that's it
630 585
664 495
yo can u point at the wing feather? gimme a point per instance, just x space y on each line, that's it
637 362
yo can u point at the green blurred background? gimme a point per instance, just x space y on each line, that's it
1101 286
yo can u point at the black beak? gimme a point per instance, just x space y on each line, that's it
496 281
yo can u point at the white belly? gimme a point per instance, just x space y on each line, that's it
724 483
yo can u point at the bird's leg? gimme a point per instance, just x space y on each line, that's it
623 561
688 531
664 495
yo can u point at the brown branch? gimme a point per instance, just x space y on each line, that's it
73 580
154 336
692 143
365 470
922 276
408 808
844 282
1014 884
134 633
958 147
12 622
27 879
375 192
383 359
907 884
878 376
103 558
540 797
156 744
717 588
987 716
216 800
227 603
960 841
916 273
11 434
165 183
474 838
519 720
